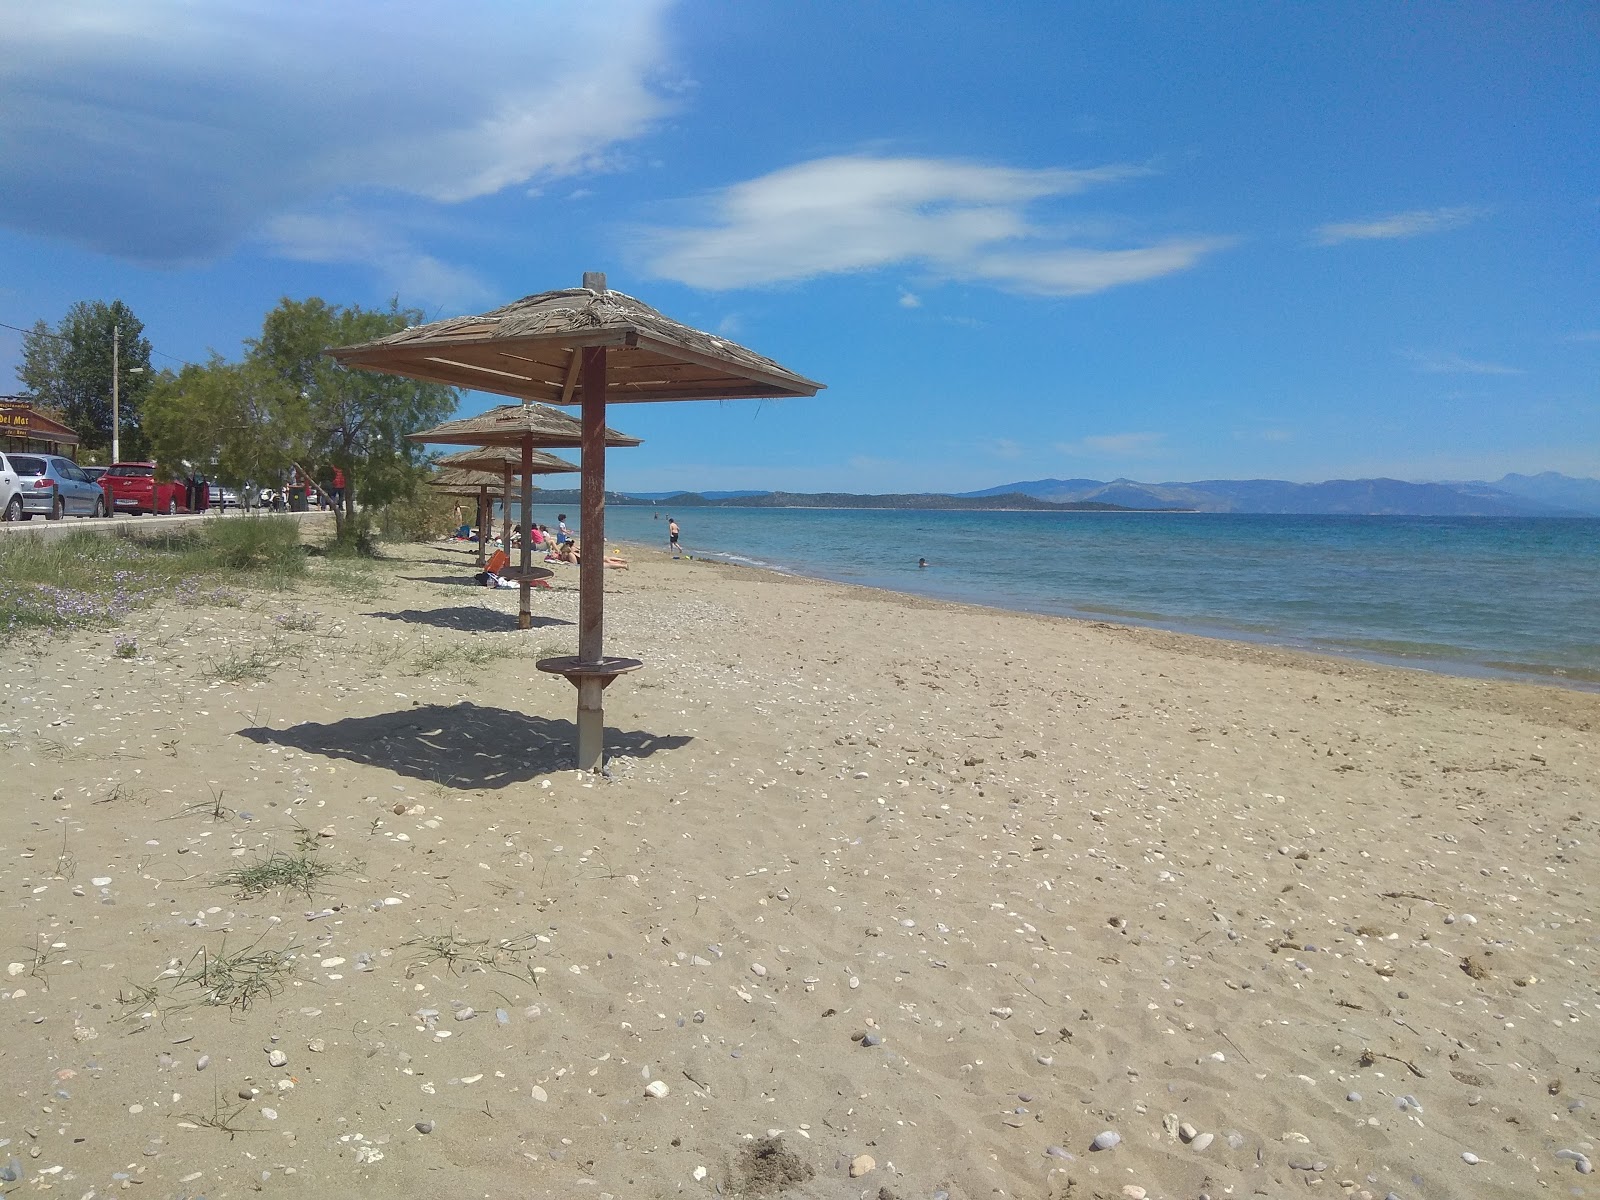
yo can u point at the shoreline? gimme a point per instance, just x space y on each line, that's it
1528 673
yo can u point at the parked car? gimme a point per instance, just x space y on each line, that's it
10 485
132 487
93 473
223 497
53 486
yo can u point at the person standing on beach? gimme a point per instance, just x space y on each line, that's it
672 537
563 534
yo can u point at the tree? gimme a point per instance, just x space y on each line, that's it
235 419
69 370
288 405
356 421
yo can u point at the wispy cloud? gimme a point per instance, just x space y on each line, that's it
960 221
165 132
1116 445
415 277
1415 223
1582 336
1455 364
910 299
1002 448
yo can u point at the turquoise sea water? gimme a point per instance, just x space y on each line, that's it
1516 597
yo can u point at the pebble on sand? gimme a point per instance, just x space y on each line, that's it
276 1058
656 1088
1105 1140
861 1164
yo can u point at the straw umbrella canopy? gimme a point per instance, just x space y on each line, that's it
587 346
457 482
522 426
506 460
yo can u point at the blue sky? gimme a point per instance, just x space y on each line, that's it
1164 241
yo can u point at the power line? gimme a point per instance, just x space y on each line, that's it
63 338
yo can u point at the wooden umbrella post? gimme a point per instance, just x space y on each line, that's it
592 563
525 581
483 526
505 516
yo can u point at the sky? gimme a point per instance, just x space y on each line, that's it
1161 241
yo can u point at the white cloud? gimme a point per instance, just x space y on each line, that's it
961 221
416 278
910 299
1080 272
165 131
1399 225
1123 445
1455 364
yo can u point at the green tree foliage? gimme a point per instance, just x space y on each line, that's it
236 420
288 405
68 369
356 421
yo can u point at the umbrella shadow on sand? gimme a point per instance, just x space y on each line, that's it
462 746
468 617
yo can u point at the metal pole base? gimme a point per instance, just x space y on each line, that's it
591 725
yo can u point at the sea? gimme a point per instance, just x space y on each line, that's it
1482 596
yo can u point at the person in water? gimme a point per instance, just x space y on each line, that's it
922 562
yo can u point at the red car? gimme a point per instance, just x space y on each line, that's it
132 487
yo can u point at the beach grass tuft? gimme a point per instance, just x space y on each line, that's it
236 979
278 871
508 956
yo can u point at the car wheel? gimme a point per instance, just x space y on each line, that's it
100 507
13 510
58 509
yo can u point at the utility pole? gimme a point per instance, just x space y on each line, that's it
116 372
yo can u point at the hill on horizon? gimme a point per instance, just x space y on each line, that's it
1549 494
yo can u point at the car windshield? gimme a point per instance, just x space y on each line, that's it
132 470
26 464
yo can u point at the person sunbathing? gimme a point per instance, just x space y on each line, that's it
571 552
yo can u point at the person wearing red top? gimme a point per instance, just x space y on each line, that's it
336 492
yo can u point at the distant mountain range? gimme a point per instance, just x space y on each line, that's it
1547 495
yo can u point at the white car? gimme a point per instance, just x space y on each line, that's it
10 489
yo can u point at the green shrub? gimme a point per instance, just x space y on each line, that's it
419 518
252 543
354 538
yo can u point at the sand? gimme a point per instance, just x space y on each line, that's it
887 898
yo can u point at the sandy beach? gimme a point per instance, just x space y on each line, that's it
884 897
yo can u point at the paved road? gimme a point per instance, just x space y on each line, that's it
127 523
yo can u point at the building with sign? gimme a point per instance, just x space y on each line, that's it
25 428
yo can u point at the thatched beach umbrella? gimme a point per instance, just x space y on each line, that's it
583 346
522 426
508 460
458 482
